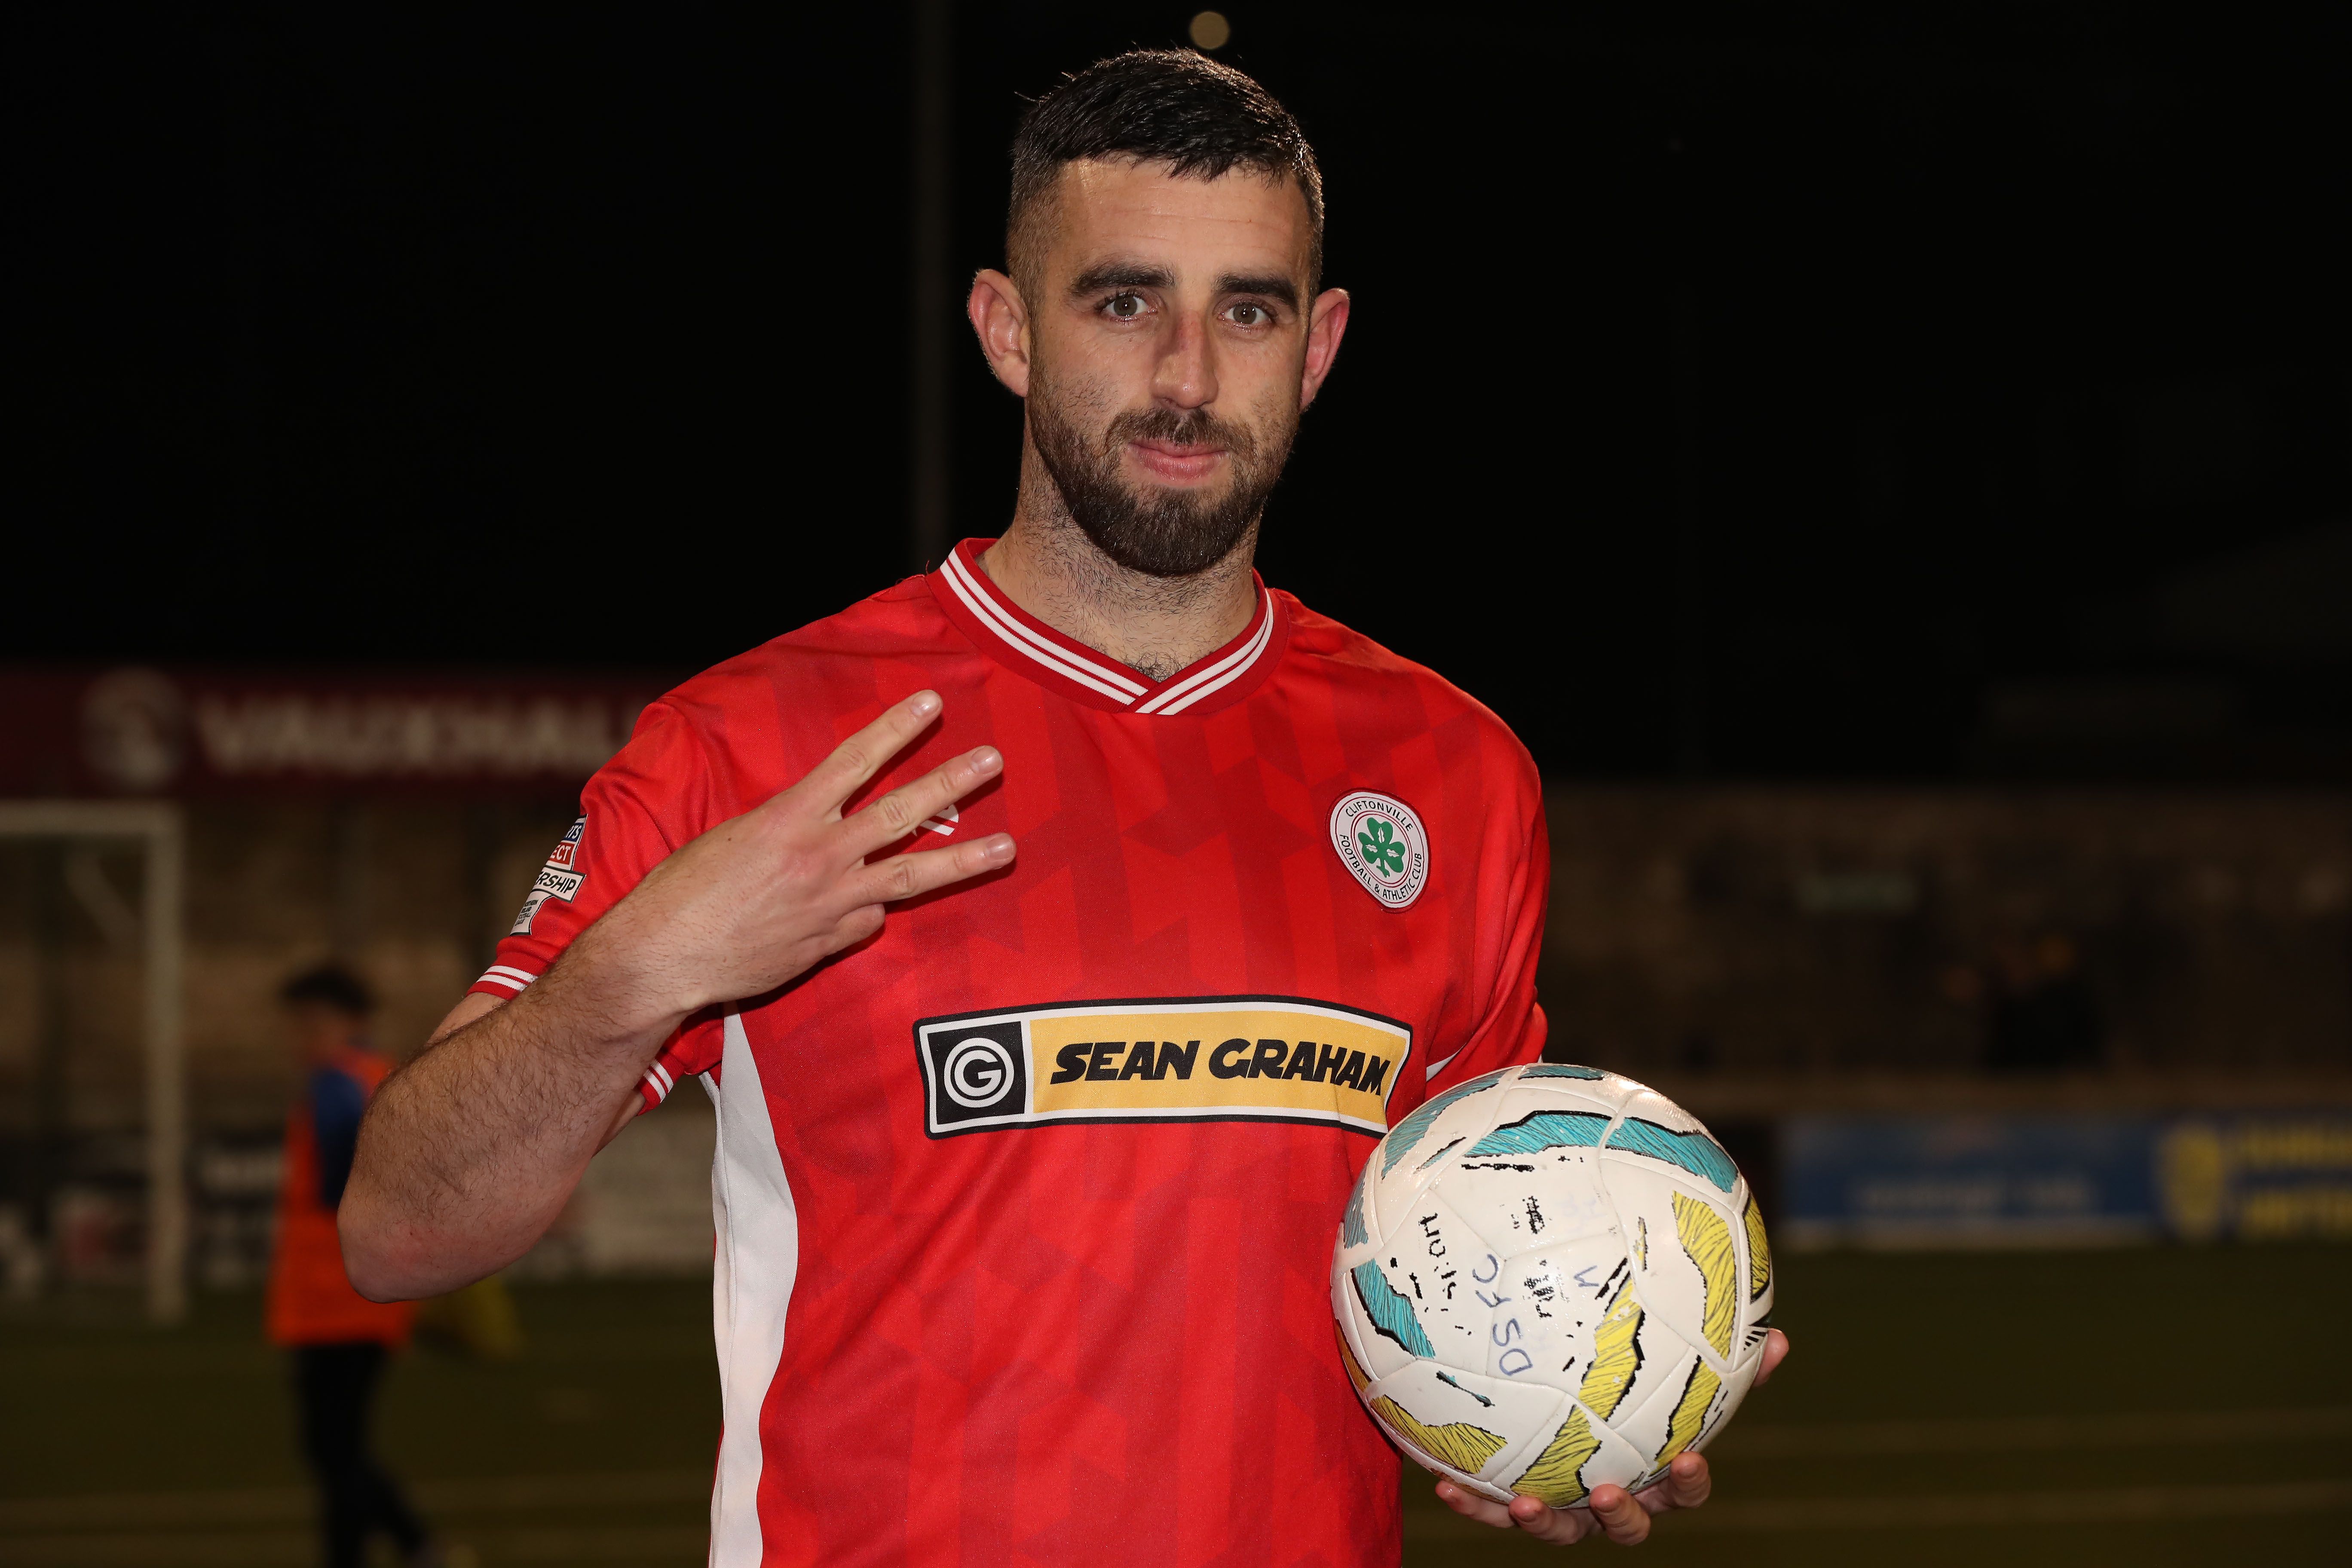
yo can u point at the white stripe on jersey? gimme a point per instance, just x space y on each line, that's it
1222 673
758 1259
508 976
658 1079
1021 639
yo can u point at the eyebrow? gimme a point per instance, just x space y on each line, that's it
1273 285
1144 275
1122 275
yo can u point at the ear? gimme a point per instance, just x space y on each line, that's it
1325 329
1002 321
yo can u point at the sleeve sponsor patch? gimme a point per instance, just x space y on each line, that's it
558 884
559 879
567 851
1210 1058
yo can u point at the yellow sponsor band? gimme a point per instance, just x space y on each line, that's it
1221 1059
1261 1058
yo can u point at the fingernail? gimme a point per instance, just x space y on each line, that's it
923 704
987 759
999 847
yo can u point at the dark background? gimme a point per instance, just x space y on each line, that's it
1802 391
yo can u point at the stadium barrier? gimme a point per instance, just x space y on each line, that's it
2064 1180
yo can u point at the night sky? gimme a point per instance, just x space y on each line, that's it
1789 392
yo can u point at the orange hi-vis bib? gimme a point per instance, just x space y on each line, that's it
310 1300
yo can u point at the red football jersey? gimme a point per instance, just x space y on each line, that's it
1025 1207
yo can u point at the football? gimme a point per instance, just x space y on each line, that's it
1549 1279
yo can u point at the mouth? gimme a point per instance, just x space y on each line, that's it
1174 462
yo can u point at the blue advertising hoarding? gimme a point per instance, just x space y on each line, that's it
2064 1180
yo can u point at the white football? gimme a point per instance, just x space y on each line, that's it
1549 1279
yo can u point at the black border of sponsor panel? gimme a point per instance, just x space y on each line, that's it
1027 1120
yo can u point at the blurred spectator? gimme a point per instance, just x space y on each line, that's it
338 1338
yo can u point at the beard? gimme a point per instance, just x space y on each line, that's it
1145 528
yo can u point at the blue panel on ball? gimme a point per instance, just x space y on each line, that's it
1694 1151
1351 1229
1561 1069
1544 1130
1390 1313
1413 1128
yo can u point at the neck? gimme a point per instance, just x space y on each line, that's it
1154 625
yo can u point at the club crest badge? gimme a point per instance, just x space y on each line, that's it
1381 843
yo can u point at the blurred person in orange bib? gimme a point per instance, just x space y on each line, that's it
338 1338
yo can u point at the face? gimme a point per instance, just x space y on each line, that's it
1168 349
315 1030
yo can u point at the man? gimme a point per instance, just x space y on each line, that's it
1013 1267
338 1338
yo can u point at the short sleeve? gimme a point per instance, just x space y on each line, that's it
1511 1029
695 1049
651 798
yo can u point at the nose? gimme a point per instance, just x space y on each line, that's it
1186 375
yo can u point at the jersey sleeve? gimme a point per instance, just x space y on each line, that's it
639 807
1512 1029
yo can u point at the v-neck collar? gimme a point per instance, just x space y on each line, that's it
1028 647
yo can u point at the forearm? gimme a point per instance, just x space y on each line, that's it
469 1153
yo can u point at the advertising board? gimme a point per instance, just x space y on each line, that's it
1926 1182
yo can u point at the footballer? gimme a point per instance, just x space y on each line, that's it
1029 1159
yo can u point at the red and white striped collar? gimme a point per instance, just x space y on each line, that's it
1019 641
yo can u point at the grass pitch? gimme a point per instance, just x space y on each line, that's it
2159 1406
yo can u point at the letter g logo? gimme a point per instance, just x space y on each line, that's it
975 1072
978 1072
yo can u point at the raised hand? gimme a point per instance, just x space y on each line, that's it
471 1151
761 899
1622 1516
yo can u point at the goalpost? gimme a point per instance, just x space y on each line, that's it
155 826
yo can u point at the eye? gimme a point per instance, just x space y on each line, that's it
1249 315
1125 307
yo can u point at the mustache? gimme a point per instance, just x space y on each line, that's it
1197 428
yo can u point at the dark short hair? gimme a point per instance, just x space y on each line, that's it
330 985
1161 105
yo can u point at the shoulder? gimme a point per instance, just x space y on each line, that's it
901 622
1378 694
743 729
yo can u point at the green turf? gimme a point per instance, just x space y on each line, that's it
617 1381
614 1379
2001 1335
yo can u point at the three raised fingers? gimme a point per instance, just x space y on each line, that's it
860 757
904 809
905 876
